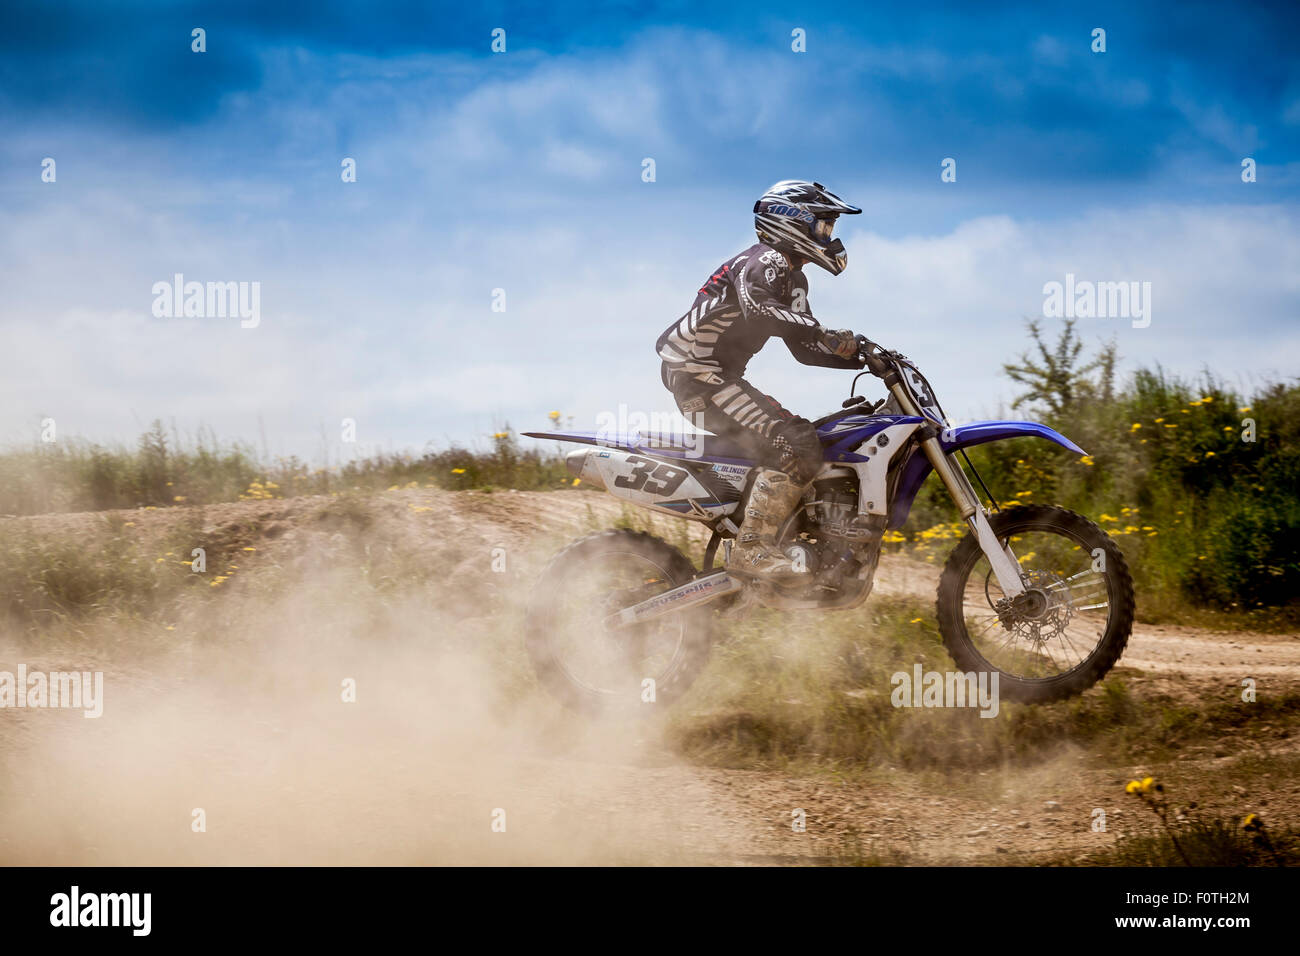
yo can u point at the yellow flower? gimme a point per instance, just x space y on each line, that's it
917 620
1136 426
500 434
1207 399
1171 426
1145 785
159 560
1248 822
458 471
1109 518
178 498
1244 410
250 549
1132 787
1209 454
554 416
1159 420
575 482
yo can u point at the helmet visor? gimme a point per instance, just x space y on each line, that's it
823 228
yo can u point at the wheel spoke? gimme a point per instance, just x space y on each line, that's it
1053 628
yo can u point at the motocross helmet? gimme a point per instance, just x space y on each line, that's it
798 217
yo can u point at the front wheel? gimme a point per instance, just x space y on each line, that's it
1068 628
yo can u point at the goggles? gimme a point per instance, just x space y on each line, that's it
823 228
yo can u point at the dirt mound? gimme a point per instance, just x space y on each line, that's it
411 602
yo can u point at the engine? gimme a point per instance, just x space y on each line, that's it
838 543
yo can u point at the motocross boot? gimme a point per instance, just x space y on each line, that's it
757 551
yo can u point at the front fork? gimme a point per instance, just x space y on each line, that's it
1000 557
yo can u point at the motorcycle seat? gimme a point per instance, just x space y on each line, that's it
697 444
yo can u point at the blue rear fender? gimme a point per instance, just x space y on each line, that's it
965 436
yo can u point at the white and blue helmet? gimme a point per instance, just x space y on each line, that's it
798 217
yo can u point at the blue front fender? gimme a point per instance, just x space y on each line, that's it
977 433
964 436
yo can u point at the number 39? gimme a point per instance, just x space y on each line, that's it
650 476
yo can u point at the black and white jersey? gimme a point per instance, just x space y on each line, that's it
749 299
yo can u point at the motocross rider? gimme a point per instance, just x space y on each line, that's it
760 293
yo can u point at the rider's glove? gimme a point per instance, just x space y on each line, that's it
843 343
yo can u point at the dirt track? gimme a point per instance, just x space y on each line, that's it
416 778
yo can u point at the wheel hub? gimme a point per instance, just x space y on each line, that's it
1030 605
1036 612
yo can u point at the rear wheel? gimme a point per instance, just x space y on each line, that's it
1065 632
591 667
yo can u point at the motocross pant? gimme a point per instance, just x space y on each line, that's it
732 408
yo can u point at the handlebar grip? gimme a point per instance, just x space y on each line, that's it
866 352
872 360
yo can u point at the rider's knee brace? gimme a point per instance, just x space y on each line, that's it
799 448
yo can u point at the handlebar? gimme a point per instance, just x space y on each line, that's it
873 357
894 368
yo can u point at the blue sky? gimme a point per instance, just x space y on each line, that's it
522 171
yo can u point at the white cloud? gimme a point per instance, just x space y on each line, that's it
579 330
376 306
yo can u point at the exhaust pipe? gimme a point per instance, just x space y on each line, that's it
691 594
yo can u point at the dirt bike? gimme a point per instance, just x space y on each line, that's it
1037 593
